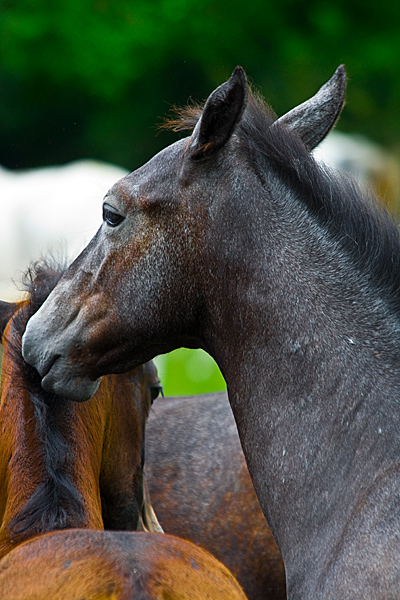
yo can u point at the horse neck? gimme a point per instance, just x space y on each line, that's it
21 462
310 356
121 477
43 486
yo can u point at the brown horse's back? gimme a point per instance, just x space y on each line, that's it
96 565
201 490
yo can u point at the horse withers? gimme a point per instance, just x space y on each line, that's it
64 464
235 240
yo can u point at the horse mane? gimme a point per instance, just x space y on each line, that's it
56 503
355 219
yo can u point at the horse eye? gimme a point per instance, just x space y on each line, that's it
155 391
112 218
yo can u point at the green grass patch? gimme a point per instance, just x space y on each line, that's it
186 372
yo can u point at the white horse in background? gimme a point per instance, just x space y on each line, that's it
53 209
368 162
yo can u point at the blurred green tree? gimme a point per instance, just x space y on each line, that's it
91 78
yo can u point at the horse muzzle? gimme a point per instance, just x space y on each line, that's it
59 376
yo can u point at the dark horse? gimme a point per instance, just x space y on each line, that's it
64 464
236 241
201 490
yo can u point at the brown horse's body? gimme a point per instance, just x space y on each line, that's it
100 565
201 490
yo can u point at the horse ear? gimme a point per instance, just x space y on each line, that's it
7 310
222 111
314 119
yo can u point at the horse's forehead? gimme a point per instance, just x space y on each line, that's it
153 177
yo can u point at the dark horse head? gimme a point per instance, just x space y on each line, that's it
143 284
235 240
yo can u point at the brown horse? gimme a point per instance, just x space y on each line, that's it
64 464
100 565
201 490
235 240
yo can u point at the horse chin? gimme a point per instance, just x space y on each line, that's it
78 389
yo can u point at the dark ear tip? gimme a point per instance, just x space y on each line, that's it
238 80
341 70
340 76
238 69
239 75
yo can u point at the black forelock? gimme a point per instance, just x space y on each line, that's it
37 282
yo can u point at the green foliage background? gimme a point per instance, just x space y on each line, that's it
93 78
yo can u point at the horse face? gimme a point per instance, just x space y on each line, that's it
120 302
139 287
